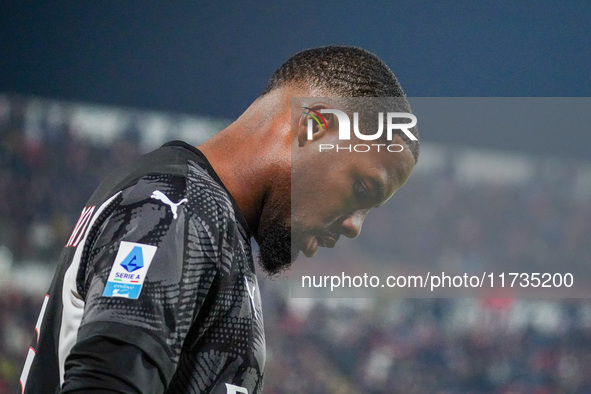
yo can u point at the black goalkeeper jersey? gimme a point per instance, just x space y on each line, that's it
155 290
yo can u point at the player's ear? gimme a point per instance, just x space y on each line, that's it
313 124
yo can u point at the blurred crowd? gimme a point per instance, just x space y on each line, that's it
537 224
404 345
425 346
45 179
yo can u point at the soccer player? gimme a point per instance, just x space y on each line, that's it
156 288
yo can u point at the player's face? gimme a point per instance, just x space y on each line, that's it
328 194
332 192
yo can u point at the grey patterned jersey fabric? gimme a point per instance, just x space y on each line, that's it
198 315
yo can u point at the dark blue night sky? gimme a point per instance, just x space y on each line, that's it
215 59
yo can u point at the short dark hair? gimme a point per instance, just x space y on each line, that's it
342 71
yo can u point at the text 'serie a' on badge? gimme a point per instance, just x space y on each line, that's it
129 270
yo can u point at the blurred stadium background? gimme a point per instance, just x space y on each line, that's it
54 153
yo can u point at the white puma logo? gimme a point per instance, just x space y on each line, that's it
232 389
158 195
251 295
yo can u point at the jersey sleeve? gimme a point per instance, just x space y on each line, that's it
92 368
149 269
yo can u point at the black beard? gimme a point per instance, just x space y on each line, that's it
275 251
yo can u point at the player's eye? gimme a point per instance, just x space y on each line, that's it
361 191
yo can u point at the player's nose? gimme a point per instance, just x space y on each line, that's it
351 225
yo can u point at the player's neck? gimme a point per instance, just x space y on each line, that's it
251 156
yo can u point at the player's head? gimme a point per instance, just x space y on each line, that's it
331 192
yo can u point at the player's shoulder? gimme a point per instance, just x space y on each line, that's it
167 164
183 171
163 188
190 186
205 192
172 185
